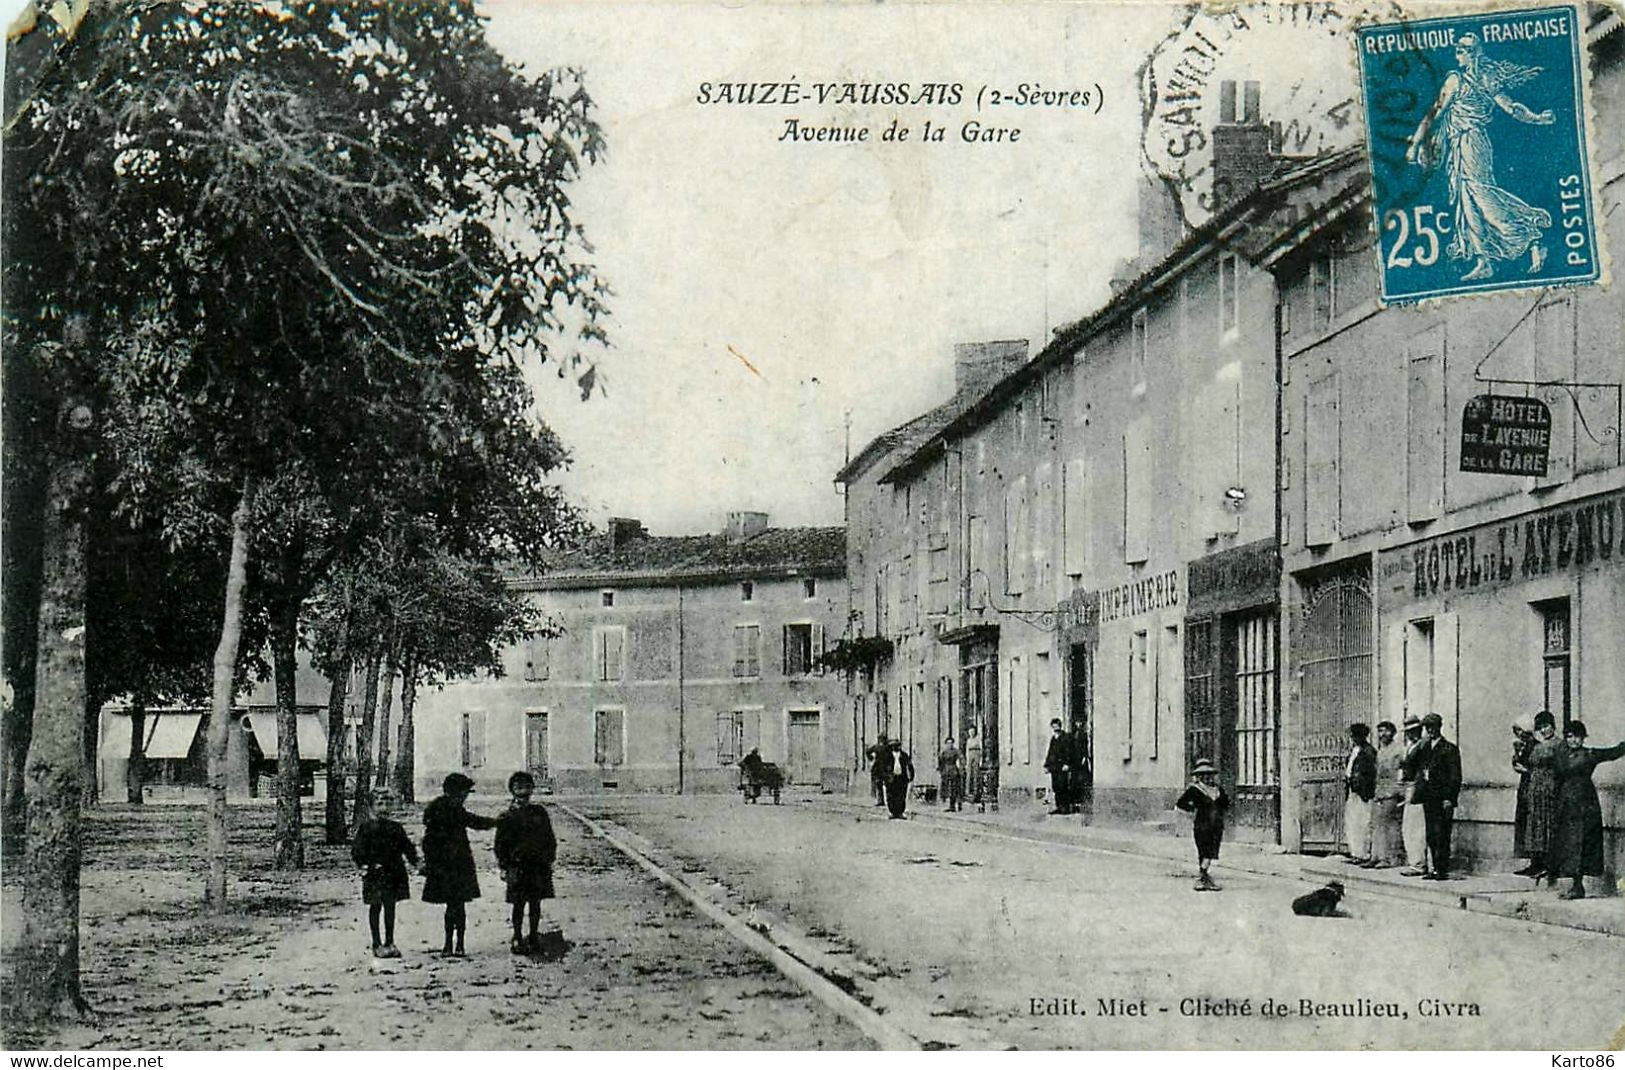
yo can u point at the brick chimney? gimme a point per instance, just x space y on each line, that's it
980 364
1243 146
623 531
744 525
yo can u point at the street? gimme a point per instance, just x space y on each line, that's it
961 937
989 941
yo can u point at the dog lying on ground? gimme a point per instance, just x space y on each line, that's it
1320 903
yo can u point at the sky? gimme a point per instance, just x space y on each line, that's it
779 303
842 273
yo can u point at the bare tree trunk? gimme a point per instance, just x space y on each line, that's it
387 701
290 840
135 773
91 734
337 832
363 742
406 759
23 515
225 679
47 958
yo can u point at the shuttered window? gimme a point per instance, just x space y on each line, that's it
609 654
472 744
609 737
803 644
538 659
747 650
1322 435
1424 408
1137 472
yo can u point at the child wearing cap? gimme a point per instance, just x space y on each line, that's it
382 849
525 848
448 862
1206 802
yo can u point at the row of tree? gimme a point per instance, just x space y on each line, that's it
275 272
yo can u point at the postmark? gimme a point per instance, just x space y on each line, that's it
1476 129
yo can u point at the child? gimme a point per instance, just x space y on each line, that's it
448 863
382 849
1207 802
525 848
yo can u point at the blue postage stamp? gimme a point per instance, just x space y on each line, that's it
1480 175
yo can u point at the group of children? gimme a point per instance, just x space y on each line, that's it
525 849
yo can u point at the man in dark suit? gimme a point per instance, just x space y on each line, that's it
899 770
1438 784
1359 785
1058 764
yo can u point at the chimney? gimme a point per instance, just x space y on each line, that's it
744 525
980 364
1242 144
623 531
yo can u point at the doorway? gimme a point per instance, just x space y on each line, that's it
1080 723
536 745
805 756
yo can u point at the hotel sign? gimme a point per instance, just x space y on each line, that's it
1551 541
1502 435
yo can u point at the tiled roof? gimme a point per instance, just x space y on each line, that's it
667 558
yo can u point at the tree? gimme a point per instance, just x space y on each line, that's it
302 237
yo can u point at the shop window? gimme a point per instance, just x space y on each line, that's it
1555 658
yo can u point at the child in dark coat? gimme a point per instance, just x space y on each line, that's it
448 862
1207 802
382 849
526 848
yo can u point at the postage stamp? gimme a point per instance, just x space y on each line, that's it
1479 158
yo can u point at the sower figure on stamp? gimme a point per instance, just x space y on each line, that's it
382 849
448 862
1207 803
1438 785
1490 223
526 848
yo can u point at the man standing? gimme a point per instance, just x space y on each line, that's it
1387 846
1058 764
950 776
973 766
1438 784
1359 785
876 753
1413 826
899 774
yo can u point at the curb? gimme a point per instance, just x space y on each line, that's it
888 1036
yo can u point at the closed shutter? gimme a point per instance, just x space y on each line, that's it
1075 518
1323 446
1136 493
1425 417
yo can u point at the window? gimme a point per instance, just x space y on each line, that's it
1229 298
1017 532
609 737
538 659
882 714
607 599
1424 452
1043 515
976 564
1141 685
1136 493
1075 518
1322 291
747 650
1554 656
809 588
1136 332
608 654
730 737
747 591
1322 436
801 643
472 748
1255 702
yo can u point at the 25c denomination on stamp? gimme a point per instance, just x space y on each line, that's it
1476 126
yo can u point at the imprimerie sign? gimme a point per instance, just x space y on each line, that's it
1505 435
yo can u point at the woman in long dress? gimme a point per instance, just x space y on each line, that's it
1576 848
1490 222
1537 797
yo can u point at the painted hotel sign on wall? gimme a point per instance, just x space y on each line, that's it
1554 540
1503 435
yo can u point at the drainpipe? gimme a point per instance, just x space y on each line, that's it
1280 591
682 740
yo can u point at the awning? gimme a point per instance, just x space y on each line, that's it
171 735
312 734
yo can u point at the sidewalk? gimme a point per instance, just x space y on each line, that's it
1491 893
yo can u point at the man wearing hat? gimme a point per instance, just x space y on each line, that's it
1058 764
1438 784
1413 826
1387 847
899 768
